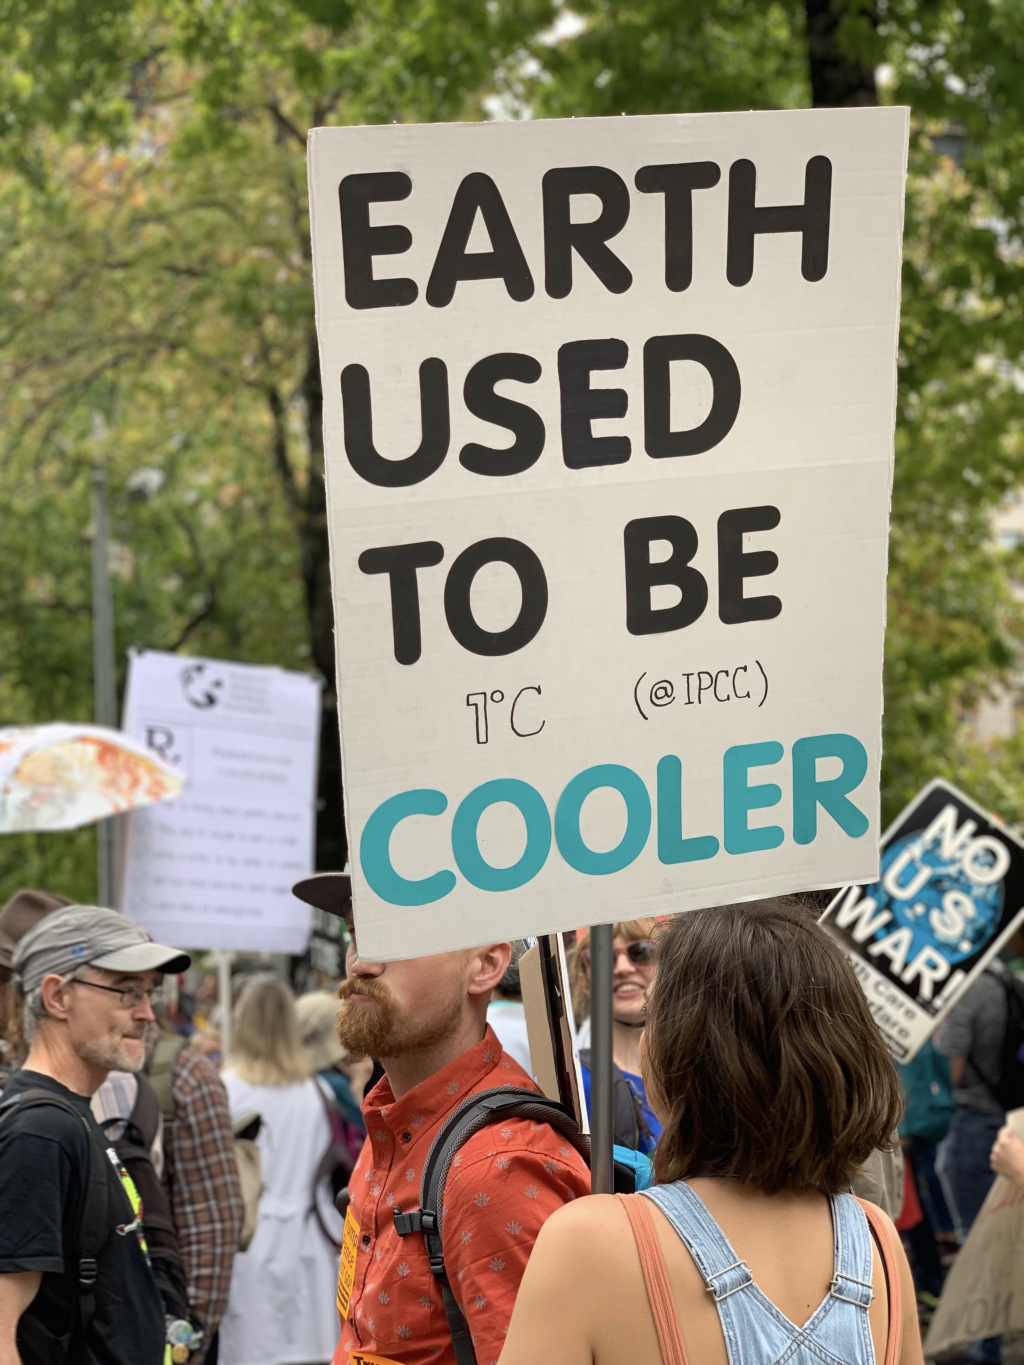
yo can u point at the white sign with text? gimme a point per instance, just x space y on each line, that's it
215 868
608 411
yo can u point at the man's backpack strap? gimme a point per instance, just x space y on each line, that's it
166 1051
95 1225
475 1112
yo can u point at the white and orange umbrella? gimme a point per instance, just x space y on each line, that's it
63 776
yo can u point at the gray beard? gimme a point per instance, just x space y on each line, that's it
111 1056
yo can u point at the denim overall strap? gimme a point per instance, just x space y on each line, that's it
851 1280
757 1332
722 1270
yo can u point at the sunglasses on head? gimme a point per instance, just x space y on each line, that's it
641 953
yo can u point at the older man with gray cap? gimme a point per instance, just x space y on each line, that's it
75 1282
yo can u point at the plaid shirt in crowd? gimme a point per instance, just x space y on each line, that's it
202 1179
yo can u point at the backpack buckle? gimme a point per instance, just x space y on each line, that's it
87 1271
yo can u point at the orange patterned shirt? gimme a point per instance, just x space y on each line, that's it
504 1183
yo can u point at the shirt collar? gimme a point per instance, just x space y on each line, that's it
426 1104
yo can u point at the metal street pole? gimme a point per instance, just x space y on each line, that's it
602 961
104 703
224 1001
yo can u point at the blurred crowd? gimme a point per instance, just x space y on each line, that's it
278 1197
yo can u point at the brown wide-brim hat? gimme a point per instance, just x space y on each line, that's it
21 913
329 891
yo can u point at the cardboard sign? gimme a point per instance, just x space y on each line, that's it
983 1295
608 411
215 868
551 1026
951 893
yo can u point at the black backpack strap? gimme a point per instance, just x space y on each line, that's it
95 1224
475 1112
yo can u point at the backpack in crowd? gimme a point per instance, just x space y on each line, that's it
132 1139
628 1122
160 1071
1008 1090
35 1344
250 1174
476 1112
331 1177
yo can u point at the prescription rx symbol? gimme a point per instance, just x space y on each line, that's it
703 685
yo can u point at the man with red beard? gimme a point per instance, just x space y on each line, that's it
425 1019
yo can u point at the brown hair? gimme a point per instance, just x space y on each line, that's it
762 1052
578 960
265 1045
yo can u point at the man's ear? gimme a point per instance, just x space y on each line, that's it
56 994
487 966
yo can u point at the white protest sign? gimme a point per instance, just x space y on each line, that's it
608 411
214 869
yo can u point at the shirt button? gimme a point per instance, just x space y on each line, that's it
407 1137
366 1239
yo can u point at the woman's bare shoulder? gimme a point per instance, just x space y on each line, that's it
590 1226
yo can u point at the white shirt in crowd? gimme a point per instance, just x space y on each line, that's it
508 1019
281 1308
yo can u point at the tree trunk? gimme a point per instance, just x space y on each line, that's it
331 844
837 79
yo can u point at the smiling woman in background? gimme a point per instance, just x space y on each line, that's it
633 975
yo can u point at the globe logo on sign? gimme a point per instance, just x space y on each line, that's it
950 898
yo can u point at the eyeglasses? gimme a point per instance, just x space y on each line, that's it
641 953
131 996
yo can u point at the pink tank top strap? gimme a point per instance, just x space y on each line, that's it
659 1293
892 1277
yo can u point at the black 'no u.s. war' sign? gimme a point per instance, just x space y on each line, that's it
949 895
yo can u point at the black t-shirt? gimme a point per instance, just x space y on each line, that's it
44 1169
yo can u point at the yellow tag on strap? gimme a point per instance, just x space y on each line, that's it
347 1269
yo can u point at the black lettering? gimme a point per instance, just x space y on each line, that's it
722 673
677 183
742 696
703 687
660 441
810 219
161 740
734 566
642 575
534 586
434 419
400 563
526 425
582 405
524 734
478 193
562 235
360 242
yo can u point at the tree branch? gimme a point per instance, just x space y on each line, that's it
284 124
281 461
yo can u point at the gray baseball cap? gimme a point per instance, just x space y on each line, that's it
87 936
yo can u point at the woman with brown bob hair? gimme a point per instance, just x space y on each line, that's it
774 1085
